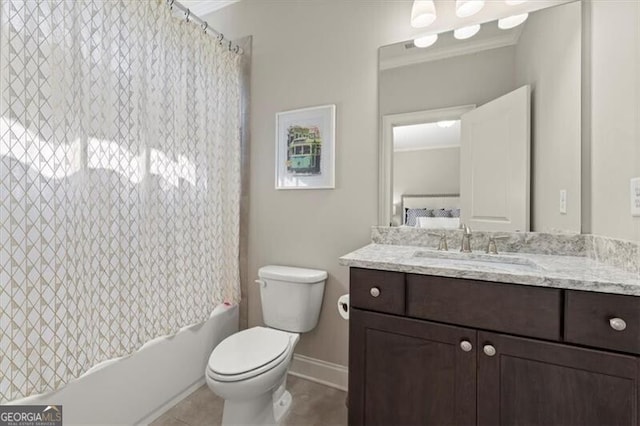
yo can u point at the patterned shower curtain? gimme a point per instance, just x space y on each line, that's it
119 183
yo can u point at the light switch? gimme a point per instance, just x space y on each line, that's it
635 197
563 201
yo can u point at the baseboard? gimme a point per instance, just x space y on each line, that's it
323 372
173 401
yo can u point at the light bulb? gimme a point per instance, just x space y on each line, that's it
466 32
423 13
512 21
465 8
425 41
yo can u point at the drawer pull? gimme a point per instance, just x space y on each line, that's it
375 291
466 346
489 350
618 324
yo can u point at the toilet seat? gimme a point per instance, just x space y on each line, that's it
248 353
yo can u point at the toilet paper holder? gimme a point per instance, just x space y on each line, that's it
343 306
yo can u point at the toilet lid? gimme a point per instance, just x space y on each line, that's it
248 350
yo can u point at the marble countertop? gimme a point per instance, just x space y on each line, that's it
542 270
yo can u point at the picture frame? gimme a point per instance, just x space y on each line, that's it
305 148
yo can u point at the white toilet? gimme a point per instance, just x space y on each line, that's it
249 368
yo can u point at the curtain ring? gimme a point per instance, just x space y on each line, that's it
236 49
188 13
230 45
205 26
171 3
220 38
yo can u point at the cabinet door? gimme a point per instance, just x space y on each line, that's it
410 372
530 382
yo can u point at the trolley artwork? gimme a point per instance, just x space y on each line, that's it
304 147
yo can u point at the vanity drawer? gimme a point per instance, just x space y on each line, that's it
517 309
381 291
590 319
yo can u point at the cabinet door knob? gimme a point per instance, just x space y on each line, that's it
375 291
618 324
466 346
489 350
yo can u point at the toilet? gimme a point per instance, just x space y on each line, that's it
249 368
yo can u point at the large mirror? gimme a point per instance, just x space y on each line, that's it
485 129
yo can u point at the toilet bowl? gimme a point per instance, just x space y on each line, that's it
249 369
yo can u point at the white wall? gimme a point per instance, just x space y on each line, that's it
615 137
461 80
548 57
426 171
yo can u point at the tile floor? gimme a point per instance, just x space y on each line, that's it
313 405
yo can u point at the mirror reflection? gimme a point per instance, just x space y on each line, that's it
483 127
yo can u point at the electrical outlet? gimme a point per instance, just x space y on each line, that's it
563 201
635 197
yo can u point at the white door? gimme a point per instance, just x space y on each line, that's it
494 164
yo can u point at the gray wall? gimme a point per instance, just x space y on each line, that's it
426 171
548 57
461 80
313 228
296 64
615 138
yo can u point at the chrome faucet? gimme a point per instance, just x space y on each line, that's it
466 239
442 244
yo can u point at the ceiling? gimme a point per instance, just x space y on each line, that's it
204 7
425 136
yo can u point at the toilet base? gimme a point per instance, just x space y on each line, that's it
282 406
268 409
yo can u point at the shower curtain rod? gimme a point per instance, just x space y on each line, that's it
190 17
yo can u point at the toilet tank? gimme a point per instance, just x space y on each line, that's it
291 297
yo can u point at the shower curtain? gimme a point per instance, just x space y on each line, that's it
119 183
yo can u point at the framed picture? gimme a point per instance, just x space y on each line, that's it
305 148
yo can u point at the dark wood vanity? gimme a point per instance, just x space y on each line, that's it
428 350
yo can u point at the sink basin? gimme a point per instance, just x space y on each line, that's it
504 260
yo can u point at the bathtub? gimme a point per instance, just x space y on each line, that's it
139 388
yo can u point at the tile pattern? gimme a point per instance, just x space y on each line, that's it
119 183
313 405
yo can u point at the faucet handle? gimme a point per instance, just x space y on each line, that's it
442 245
491 246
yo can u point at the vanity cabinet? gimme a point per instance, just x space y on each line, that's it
464 352
532 382
406 362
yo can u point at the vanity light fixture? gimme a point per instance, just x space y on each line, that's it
423 13
445 124
515 2
466 8
466 32
512 21
425 41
